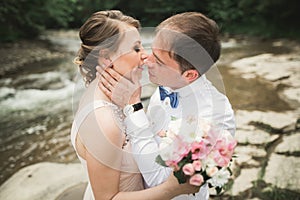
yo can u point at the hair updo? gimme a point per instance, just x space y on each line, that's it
101 30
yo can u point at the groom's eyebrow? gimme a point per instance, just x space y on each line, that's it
158 58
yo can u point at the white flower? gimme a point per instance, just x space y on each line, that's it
187 127
220 178
211 171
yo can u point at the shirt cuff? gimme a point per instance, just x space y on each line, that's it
135 124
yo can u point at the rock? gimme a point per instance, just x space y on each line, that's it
283 172
289 145
246 154
42 181
292 94
244 181
281 70
245 160
26 53
254 137
251 151
277 121
268 66
73 193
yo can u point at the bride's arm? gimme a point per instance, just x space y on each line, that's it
103 141
105 183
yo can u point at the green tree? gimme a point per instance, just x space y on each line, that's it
27 18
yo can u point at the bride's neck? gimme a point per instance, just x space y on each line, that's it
93 93
97 92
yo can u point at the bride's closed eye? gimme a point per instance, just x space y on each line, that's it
137 48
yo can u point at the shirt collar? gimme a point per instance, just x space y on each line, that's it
192 87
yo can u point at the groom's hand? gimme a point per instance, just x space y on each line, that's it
120 90
185 188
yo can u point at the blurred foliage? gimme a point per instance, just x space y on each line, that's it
268 18
27 18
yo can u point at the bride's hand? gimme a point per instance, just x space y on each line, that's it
120 90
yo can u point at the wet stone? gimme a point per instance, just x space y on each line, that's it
289 145
244 181
42 181
251 151
283 172
254 137
275 120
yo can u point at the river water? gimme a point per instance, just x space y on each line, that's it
37 103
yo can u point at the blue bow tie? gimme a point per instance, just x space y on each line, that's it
173 96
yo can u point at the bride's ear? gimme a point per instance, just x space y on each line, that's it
190 75
104 58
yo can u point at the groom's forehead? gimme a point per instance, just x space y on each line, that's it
166 38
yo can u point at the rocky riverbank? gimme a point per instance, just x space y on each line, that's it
267 164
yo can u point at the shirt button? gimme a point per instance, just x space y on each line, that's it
167 101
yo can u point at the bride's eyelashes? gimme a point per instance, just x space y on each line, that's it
137 48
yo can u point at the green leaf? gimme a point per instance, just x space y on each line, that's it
181 177
218 190
160 161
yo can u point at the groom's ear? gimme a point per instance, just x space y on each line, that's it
190 75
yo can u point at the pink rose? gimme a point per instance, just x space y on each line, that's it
197 165
196 179
188 169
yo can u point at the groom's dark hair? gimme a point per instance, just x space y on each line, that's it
197 28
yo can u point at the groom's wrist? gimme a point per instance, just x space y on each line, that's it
136 122
134 100
131 108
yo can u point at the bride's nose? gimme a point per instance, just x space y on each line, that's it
144 56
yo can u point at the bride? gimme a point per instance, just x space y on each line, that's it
111 39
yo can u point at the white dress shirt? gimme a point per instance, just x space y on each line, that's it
199 98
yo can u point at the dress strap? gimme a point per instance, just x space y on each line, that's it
83 113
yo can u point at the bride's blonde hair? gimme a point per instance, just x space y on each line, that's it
100 31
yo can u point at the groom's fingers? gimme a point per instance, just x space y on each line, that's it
107 92
103 81
134 76
108 78
115 75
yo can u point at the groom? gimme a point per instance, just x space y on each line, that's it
186 45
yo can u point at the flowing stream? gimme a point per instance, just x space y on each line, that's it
37 104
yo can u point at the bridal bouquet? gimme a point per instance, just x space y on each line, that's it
198 152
